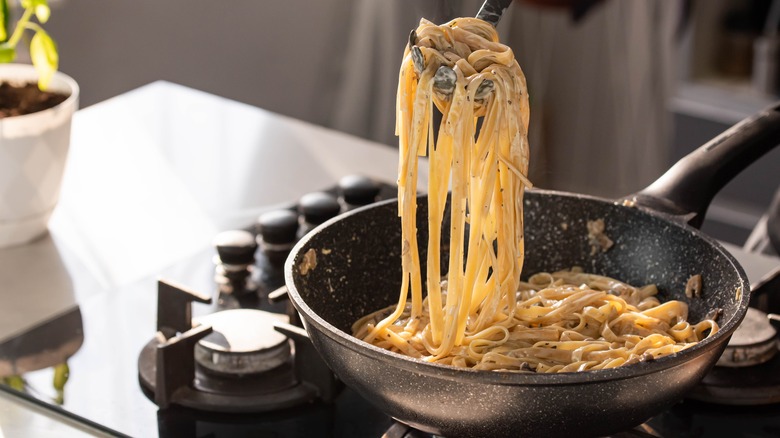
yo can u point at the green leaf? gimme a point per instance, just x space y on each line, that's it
43 52
16 382
7 53
61 375
3 20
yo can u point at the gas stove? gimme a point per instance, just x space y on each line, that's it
200 369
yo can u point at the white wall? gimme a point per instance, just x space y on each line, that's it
280 55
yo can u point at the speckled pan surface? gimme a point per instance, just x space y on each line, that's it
358 270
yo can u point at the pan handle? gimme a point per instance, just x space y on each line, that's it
686 190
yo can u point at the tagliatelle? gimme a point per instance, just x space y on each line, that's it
482 316
560 327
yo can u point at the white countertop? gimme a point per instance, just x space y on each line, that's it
154 173
21 418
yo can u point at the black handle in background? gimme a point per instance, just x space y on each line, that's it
491 10
687 189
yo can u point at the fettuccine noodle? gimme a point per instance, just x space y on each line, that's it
481 315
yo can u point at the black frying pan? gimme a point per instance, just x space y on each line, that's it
358 270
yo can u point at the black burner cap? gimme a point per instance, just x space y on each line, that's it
278 226
358 189
236 247
317 207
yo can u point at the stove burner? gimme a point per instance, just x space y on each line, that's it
748 372
244 359
753 343
243 341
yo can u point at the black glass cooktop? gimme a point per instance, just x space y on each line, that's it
104 333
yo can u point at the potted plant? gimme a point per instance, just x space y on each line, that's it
34 126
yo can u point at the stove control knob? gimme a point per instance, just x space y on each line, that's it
236 247
277 233
358 190
278 227
318 207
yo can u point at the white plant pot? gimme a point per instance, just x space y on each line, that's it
33 151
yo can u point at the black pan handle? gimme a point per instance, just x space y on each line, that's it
686 190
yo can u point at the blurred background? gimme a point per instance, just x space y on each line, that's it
619 89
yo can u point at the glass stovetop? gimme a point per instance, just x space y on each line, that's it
103 384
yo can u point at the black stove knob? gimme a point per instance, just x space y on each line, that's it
278 227
317 207
358 190
236 247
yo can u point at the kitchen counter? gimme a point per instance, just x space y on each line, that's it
22 418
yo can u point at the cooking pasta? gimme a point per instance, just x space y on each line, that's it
480 315
560 327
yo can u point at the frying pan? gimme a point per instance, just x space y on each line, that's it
656 240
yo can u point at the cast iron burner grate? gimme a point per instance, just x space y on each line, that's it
217 366
748 372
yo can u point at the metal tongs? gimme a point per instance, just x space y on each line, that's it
445 77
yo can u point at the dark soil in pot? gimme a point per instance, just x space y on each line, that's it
21 99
